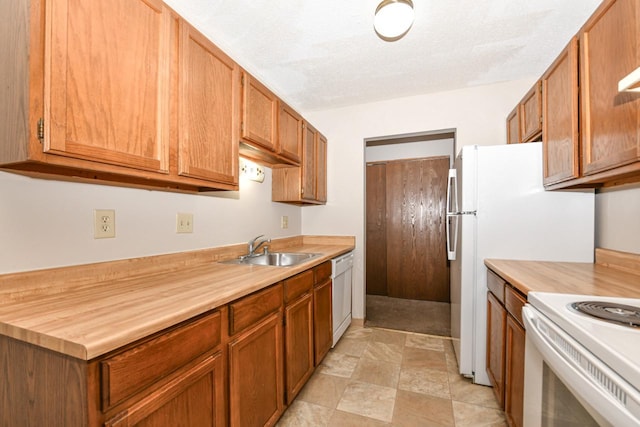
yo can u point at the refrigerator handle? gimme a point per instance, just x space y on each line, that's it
452 197
452 211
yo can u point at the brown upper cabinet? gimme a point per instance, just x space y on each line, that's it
560 135
610 119
591 134
259 113
513 126
271 131
531 114
309 162
208 131
290 133
306 184
107 92
321 168
85 102
524 123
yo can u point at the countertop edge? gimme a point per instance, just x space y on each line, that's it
87 349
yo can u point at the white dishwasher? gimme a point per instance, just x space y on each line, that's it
342 282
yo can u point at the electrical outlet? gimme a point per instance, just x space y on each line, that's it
104 223
184 223
284 222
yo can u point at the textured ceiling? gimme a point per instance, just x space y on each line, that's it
322 54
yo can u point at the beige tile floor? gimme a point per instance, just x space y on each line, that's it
379 377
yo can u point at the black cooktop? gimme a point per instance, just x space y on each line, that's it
618 313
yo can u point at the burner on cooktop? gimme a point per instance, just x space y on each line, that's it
612 312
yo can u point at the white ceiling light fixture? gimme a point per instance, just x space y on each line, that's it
393 19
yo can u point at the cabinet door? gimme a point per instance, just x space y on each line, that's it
308 189
256 395
496 321
514 372
259 113
560 137
513 126
610 120
322 320
298 344
321 168
289 133
531 114
107 82
194 399
208 109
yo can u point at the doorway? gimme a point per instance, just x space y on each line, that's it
407 272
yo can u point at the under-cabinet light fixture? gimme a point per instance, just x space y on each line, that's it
251 171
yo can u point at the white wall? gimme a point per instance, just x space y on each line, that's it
50 223
409 150
478 114
618 218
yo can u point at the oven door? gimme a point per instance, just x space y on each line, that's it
565 385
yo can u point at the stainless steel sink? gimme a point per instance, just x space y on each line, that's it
278 259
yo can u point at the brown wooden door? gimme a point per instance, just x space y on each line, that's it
610 120
514 372
195 398
376 229
259 113
108 82
322 320
416 244
560 137
256 395
208 109
298 341
496 324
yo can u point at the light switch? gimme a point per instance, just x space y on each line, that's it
284 222
184 223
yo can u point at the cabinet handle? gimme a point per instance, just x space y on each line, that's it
631 83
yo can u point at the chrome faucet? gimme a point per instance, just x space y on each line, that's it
254 245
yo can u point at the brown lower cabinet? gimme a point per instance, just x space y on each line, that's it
256 369
505 346
238 365
514 372
298 331
322 312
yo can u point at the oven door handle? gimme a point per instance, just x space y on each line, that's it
599 387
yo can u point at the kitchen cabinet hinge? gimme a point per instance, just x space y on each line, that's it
242 126
41 129
242 80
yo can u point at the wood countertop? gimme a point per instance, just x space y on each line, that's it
87 311
613 274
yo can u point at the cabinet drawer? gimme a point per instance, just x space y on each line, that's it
514 302
251 309
137 368
298 285
496 285
322 272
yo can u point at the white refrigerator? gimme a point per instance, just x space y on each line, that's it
497 208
